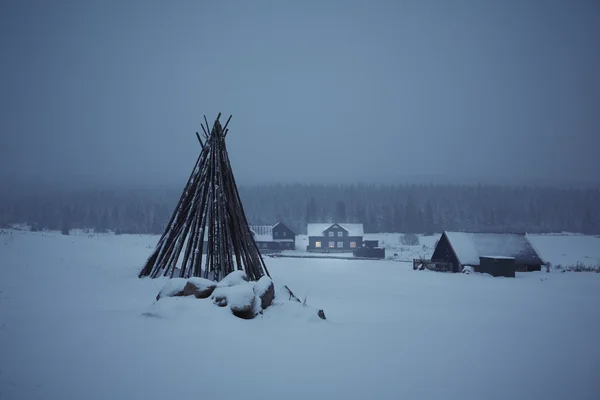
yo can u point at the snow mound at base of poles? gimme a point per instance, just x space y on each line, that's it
244 299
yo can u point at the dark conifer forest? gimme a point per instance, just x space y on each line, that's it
382 208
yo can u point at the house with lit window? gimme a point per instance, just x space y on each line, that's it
334 238
274 237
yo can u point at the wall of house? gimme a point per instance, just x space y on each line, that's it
526 268
268 246
335 231
264 246
341 244
496 267
287 245
369 252
282 232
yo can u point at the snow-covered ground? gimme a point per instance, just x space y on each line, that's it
76 323
568 249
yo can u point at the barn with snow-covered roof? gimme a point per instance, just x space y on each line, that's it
467 249
334 237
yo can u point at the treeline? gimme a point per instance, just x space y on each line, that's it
122 211
429 208
381 208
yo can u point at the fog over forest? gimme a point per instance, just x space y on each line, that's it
382 208
421 101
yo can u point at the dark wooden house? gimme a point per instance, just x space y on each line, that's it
274 237
460 249
270 238
283 234
334 238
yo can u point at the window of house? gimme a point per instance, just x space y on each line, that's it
340 233
352 245
318 244
340 244
283 233
332 244
330 233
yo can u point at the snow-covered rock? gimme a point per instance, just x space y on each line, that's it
173 288
248 308
240 298
199 287
235 278
219 298
265 289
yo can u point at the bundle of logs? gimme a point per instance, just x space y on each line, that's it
221 259
209 218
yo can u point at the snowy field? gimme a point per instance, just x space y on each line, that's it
76 323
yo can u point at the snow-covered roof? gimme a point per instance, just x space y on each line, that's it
468 247
318 229
498 257
262 229
262 233
263 238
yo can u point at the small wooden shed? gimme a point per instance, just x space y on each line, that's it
497 266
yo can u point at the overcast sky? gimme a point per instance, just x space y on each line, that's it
113 91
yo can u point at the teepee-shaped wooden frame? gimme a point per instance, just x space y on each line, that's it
210 207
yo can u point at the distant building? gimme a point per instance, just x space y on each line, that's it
370 249
460 249
270 237
336 237
274 237
370 243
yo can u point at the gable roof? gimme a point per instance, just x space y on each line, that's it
262 233
318 229
284 225
468 247
262 229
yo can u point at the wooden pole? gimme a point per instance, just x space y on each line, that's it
210 205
